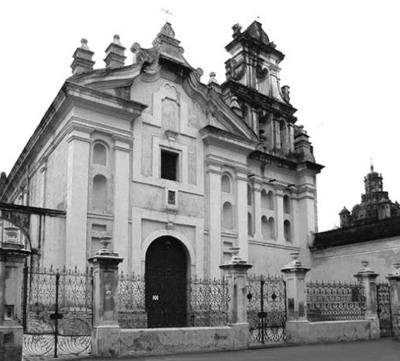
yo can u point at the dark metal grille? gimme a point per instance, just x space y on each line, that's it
384 309
207 302
266 308
57 312
131 302
335 301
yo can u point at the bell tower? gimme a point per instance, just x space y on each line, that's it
253 81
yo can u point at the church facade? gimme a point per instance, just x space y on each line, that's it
173 172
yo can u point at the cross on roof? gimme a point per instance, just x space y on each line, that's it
167 12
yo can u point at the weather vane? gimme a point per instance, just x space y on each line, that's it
167 12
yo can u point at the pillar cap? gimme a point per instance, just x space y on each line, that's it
396 271
366 271
295 265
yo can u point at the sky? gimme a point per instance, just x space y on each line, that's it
342 65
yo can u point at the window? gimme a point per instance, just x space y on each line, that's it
227 216
267 200
99 154
99 192
169 165
268 227
249 224
249 196
286 204
287 231
226 184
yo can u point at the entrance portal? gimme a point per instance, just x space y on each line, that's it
166 281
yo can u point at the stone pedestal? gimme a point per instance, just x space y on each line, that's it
367 278
235 272
394 281
106 331
296 301
12 258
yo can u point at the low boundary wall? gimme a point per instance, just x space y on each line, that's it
331 331
161 341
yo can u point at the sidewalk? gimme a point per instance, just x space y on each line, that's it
384 349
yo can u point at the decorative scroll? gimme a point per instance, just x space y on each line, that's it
58 312
335 301
266 308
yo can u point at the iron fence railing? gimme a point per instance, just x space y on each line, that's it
57 311
207 302
266 308
335 301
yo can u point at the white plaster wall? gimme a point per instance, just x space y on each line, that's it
341 263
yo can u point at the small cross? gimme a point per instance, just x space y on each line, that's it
167 12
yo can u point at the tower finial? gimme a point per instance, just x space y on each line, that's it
372 165
167 12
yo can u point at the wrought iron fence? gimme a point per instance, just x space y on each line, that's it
207 302
57 312
266 308
335 301
384 309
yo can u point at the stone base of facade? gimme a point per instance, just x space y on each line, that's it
113 341
331 331
11 338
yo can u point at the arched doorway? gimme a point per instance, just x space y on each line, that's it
166 283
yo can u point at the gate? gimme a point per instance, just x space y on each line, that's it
384 309
266 309
57 312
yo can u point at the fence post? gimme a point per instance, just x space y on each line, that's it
12 258
106 331
296 302
394 282
367 278
235 272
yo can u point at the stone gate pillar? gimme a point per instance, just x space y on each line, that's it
394 282
12 258
367 278
235 272
106 331
297 324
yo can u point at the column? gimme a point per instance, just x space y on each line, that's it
235 272
257 211
122 200
105 331
280 217
215 206
12 258
297 325
394 282
241 218
77 198
367 278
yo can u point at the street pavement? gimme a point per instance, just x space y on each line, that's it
384 349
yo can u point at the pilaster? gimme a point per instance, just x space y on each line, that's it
215 206
121 199
243 243
77 197
257 210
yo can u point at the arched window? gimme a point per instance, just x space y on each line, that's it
226 184
271 222
227 216
99 154
287 231
249 224
286 204
267 200
99 200
249 196
268 227
271 203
